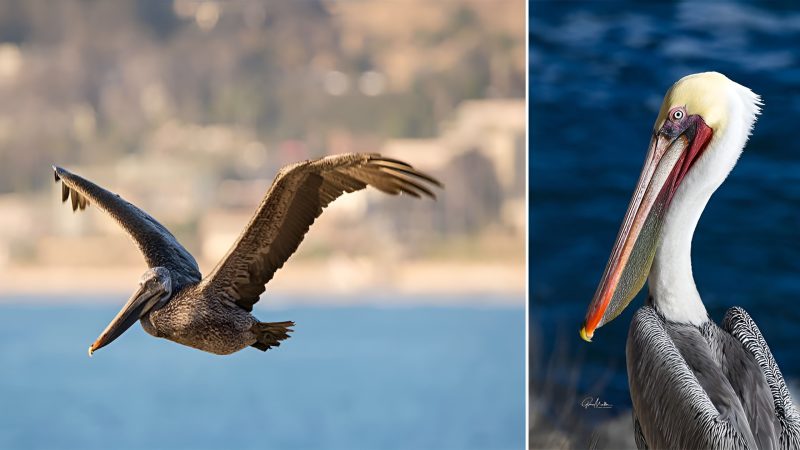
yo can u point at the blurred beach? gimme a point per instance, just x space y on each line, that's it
339 282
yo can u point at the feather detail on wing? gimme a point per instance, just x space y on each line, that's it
296 198
739 324
157 244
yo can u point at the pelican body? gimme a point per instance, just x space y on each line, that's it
213 314
693 383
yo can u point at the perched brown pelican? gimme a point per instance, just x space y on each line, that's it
173 301
693 383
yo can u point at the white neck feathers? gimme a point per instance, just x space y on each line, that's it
670 281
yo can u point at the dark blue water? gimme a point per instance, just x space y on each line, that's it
598 73
349 378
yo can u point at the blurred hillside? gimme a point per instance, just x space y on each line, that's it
188 109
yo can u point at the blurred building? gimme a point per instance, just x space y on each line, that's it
480 156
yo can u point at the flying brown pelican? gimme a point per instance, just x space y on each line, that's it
693 383
173 301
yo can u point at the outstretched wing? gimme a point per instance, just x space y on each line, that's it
157 244
295 199
739 324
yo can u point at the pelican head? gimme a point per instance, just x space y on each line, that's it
701 129
155 288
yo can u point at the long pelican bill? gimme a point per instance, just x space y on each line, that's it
140 302
673 150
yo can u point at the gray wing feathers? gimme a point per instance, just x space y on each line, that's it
748 382
672 408
157 244
739 324
641 443
296 198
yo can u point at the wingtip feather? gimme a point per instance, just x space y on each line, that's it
75 198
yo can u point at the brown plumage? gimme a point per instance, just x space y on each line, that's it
214 314
296 198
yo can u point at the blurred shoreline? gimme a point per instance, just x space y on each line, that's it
431 283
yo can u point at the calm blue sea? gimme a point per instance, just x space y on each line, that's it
599 71
349 378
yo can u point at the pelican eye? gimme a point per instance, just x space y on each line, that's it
678 114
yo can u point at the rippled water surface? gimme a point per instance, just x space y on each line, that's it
349 378
598 73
